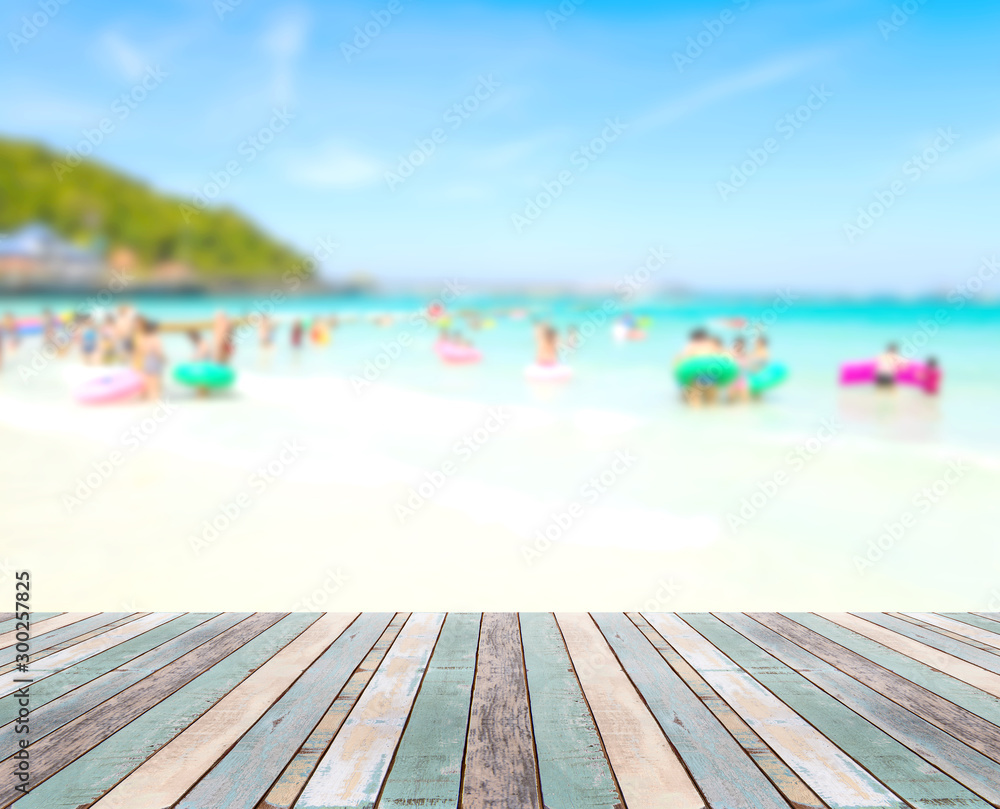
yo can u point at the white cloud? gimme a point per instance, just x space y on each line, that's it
763 75
125 57
336 165
283 42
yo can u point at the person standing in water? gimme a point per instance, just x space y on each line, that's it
152 359
296 335
702 389
739 390
887 365
546 345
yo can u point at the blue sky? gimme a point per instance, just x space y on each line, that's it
548 84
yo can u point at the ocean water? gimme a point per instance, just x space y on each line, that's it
811 337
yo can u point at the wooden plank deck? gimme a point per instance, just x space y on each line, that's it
507 711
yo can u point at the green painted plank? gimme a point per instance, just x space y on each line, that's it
246 772
972 619
969 728
725 775
572 765
47 718
946 627
427 769
500 767
90 776
44 691
292 780
72 740
967 696
966 652
9 624
895 765
41 661
967 766
796 791
46 640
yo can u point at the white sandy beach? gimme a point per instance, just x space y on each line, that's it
299 493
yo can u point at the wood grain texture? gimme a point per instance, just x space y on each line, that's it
572 766
168 775
725 776
67 625
243 776
40 627
501 771
795 790
943 630
292 780
832 775
961 693
964 725
648 770
351 772
986 640
40 660
427 768
985 660
47 718
59 748
972 619
98 770
967 766
902 770
949 664
9 624
78 652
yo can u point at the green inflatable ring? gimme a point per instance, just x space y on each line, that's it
205 375
771 375
713 369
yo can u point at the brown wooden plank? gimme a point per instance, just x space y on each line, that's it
501 771
61 747
795 790
962 724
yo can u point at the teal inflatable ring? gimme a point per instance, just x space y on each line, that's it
769 376
205 375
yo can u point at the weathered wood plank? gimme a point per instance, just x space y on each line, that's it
10 623
243 776
40 627
59 748
44 691
76 653
955 690
967 766
47 718
572 766
351 772
42 640
985 660
427 768
973 619
292 780
39 660
795 790
723 772
835 777
90 776
898 767
973 730
176 767
500 767
649 772
987 641
949 664
944 631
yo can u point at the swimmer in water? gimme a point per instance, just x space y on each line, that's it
703 388
547 345
887 365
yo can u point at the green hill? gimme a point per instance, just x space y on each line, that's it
93 201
